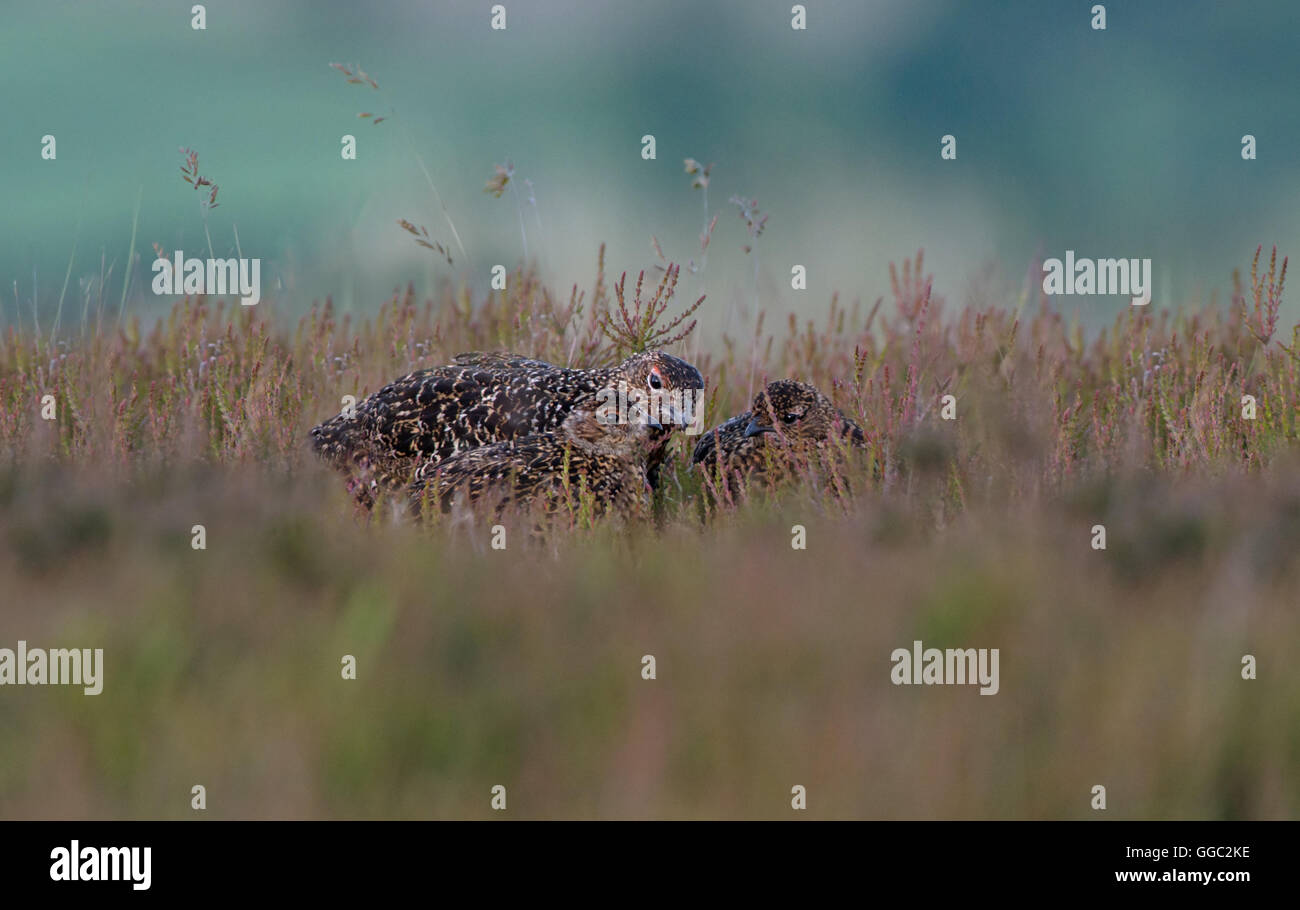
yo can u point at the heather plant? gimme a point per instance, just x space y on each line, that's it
640 327
1266 295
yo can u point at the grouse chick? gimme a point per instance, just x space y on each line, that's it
751 443
589 452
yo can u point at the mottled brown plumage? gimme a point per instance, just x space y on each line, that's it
479 399
586 457
751 445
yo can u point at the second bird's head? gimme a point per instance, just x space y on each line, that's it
802 412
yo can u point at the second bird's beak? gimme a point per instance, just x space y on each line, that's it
755 430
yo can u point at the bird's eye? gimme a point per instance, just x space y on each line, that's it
655 381
790 416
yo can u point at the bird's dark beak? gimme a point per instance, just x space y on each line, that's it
755 430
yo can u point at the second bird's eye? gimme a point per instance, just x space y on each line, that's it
655 381
790 417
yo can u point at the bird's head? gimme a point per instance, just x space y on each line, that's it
661 389
803 414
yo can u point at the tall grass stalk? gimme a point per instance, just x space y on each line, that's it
130 256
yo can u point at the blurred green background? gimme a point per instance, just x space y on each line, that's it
1117 143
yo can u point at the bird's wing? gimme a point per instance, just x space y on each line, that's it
514 471
447 409
502 360
726 436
